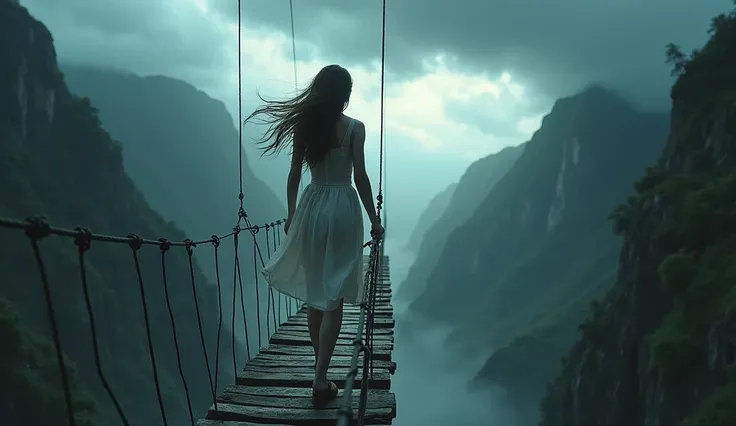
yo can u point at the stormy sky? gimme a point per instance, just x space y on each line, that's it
463 78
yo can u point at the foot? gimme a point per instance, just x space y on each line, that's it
323 393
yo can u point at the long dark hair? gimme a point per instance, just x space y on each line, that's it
310 117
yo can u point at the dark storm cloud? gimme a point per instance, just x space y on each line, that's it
132 34
554 46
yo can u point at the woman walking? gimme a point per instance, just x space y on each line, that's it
321 259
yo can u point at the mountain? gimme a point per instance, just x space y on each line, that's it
180 147
56 159
519 275
477 181
659 349
433 212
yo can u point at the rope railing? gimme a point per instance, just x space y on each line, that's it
38 228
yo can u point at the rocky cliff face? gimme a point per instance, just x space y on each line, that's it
180 147
540 238
660 349
56 159
517 278
475 184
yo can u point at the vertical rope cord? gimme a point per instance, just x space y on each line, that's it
39 231
135 245
83 243
279 295
189 246
293 54
258 296
165 245
383 79
216 246
240 109
243 311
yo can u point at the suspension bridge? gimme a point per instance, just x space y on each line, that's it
273 386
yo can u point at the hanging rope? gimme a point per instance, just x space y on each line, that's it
136 245
83 243
165 246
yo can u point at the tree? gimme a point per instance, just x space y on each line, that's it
676 59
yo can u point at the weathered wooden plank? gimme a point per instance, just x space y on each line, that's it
277 360
210 422
278 339
378 323
346 328
381 379
305 369
297 417
381 353
344 335
285 339
375 400
282 392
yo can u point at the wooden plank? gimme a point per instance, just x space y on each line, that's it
210 422
277 360
381 353
297 417
306 369
346 328
378 323
284 339
282 392
376 399
344 335
381 379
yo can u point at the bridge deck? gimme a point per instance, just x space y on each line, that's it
275 386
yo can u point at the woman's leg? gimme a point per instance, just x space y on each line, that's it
328 334
314 322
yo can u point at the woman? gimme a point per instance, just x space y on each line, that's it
321 259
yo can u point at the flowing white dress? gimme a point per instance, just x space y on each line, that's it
320 262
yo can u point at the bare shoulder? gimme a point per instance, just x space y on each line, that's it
359 126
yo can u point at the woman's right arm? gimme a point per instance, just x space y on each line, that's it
362 182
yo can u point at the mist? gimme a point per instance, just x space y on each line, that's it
432 380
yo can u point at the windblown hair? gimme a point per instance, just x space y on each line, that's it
309 118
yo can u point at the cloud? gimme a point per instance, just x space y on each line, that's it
554 47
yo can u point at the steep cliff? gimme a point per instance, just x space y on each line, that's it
660 348
430 215
180 147
540 239
57 160
477 181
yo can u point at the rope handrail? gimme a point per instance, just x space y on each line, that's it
39 226
372 275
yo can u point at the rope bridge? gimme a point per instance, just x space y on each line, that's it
274 386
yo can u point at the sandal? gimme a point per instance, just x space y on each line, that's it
322 397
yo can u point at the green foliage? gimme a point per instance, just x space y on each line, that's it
592 327
675 348
718 409
29 377
677 271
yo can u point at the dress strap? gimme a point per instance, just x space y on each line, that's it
349 132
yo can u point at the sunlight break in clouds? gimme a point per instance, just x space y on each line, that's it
415 110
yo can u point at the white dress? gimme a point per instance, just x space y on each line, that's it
320 261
